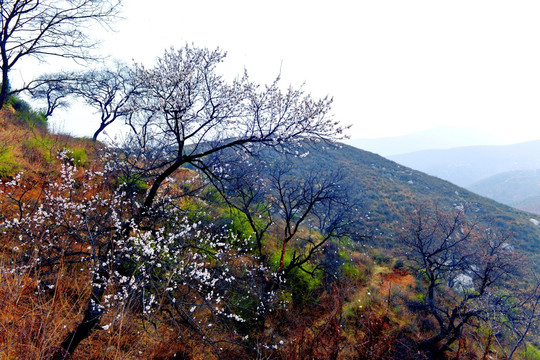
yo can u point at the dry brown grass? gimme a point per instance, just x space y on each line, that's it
397 280
33 319
361 317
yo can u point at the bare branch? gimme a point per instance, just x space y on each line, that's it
43 28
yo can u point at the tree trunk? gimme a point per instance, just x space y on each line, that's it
98 131
92 316
4 91
433 347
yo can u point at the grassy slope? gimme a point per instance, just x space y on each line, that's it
363 312
387 190
30 148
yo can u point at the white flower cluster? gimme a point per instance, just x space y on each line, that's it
80 218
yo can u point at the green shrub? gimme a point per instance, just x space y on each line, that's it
301 283
380 258
350 271
276 256
43 145
420 297
531 353
344 254
239 223
195 211
34 118
132 183
26 114
8 164
304 285
399 264
18 104
78 156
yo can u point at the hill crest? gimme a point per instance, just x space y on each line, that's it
386 190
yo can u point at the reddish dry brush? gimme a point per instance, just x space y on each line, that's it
374 338
317 333
33 319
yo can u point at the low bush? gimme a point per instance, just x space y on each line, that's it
26 114
8 164
41 147
78 157
132 183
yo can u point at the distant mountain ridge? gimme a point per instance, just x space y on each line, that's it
520 189
465 166
435 138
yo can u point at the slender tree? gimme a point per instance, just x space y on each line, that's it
45 28
108 91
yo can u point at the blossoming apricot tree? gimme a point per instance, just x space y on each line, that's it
124 224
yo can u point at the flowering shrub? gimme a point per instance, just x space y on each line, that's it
164 263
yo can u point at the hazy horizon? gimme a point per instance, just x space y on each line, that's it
392 67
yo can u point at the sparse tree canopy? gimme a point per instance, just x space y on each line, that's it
53 89
272 193
108 91
185 111
43 28
462 264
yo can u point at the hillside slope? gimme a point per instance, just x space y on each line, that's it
27 146
387 190
363 310
530 204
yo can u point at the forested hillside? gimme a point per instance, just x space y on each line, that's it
386 191
308 252
223 219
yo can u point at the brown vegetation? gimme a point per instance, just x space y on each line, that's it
363 313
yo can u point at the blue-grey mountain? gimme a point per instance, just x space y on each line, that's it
465 166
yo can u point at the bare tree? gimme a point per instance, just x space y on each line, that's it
523 316
272 195
53 89
317 200
513 315
461 264
108 91
298 216
244 187
43 28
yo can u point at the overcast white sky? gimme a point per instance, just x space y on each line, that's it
392 66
